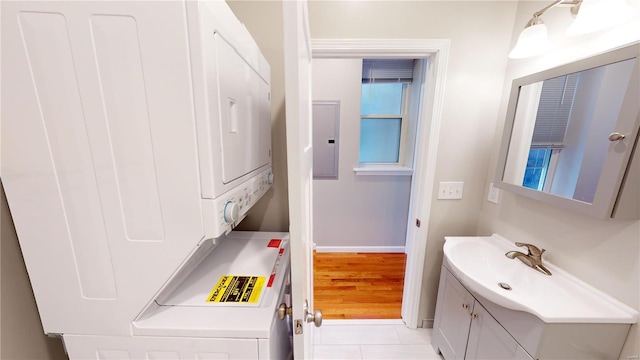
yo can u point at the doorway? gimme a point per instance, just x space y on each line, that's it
421 167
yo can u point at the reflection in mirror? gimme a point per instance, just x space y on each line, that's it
560 134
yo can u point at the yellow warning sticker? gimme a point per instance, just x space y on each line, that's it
237 289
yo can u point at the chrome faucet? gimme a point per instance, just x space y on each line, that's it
532 259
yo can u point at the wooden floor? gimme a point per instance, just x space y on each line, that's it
359 285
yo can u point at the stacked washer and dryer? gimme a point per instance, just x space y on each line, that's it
135 136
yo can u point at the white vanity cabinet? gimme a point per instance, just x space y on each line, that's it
489 340
464 329
491 307
453 317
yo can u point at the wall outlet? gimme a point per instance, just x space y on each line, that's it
494 194
451 190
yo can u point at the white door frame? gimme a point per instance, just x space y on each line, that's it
437 52
297 76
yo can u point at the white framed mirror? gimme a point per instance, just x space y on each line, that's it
570 132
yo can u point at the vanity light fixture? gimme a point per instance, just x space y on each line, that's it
591 16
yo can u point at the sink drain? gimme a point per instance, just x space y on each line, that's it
504 286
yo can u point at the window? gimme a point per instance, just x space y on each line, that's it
552 119
384 110
381 122
536 172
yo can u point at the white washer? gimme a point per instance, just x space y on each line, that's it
182 321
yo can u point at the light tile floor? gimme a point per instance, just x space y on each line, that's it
375 339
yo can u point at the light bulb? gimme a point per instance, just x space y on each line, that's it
596 15
533 40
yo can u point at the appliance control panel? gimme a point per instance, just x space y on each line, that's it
233 206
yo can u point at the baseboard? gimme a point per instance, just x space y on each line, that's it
341 322
427 324
362 249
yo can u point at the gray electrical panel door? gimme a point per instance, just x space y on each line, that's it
326 123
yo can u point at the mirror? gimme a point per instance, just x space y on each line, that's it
570 132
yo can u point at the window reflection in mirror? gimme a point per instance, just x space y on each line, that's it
559 140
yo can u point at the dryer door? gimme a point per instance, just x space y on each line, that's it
245 115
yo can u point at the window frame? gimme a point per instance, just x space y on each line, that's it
404 126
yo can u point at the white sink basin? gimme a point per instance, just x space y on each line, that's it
480 264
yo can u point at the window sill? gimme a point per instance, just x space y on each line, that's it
383 170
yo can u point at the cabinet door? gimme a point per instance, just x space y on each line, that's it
489 340
453 318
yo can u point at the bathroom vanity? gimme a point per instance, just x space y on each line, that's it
492 307
464 329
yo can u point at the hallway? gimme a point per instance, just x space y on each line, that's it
359 285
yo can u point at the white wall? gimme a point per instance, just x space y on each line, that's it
603 253
361 211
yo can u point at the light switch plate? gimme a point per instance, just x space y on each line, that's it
451 190
494 194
